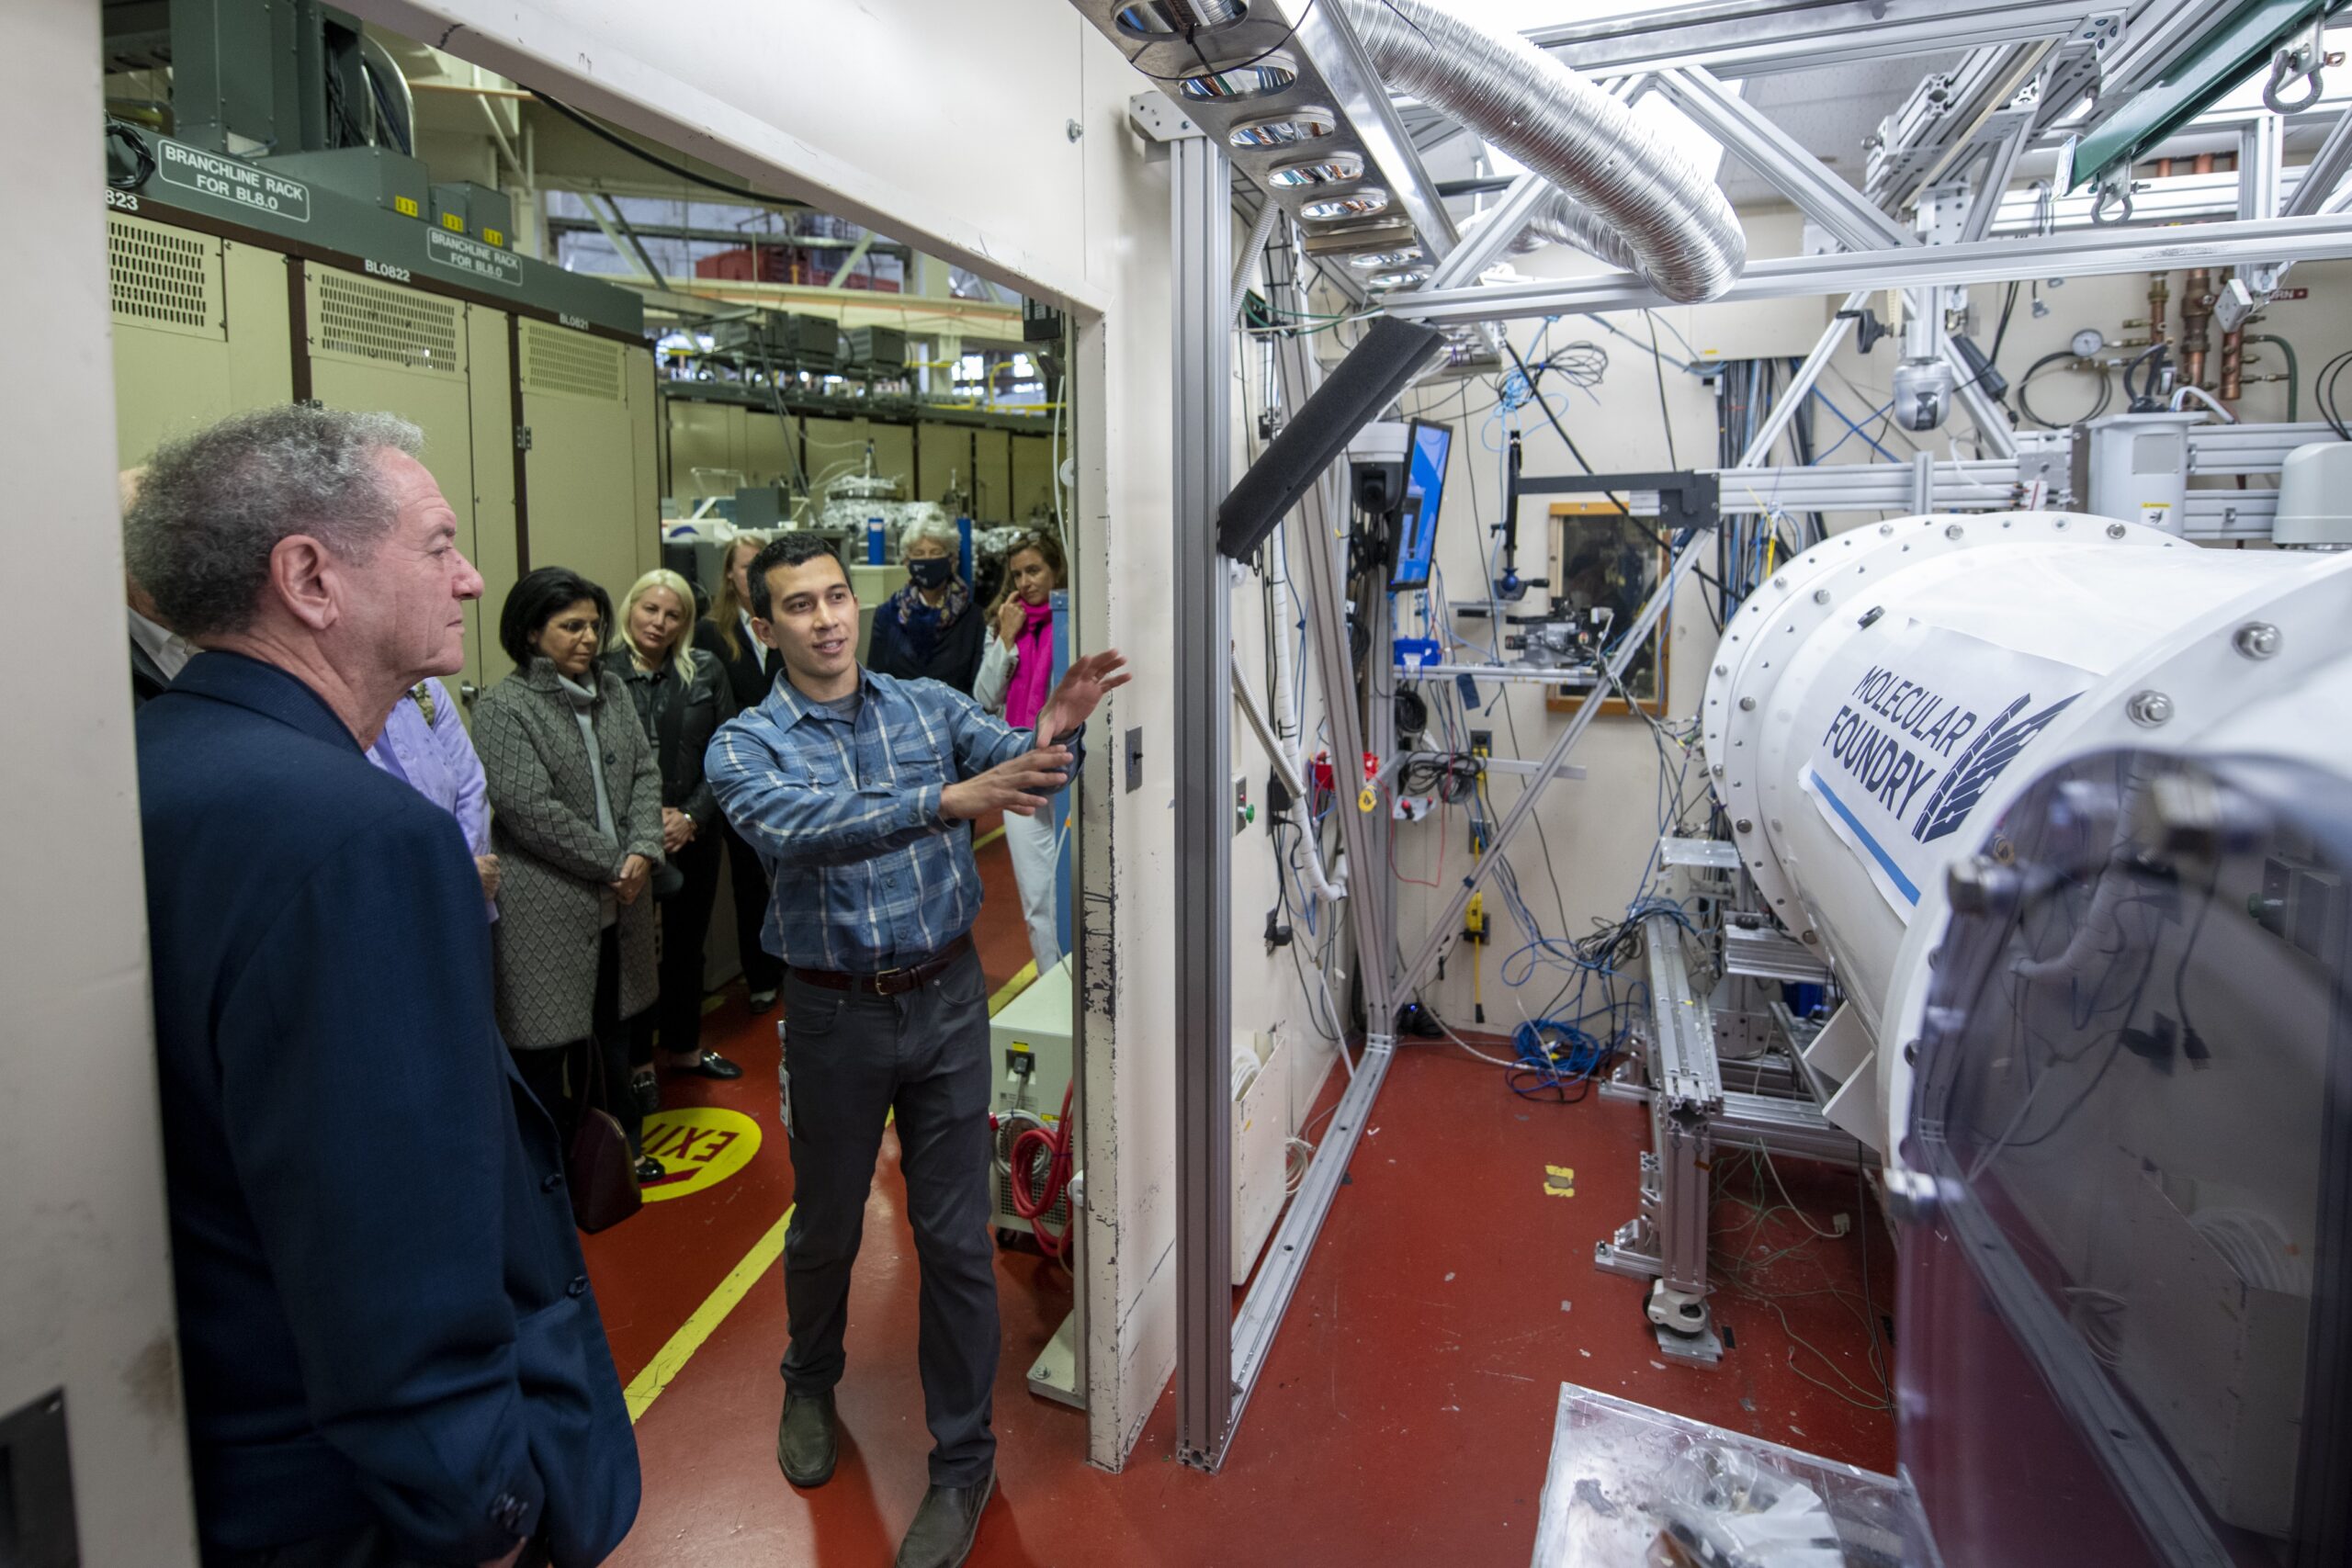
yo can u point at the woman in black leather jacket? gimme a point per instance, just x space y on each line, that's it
682 698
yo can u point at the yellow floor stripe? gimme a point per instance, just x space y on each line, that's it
660 1372
1013 987
646 1386
985 839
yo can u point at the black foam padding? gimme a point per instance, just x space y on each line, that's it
1371 377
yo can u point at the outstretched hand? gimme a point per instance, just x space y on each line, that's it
1082 689
1020 787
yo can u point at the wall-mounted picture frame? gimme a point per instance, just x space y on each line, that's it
1602 559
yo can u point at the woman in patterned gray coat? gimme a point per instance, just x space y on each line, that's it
575 798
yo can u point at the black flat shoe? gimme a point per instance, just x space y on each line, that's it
949 1516
807 1438
761 1002
649 1170
709 1064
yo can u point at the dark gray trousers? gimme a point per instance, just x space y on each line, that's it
851 1060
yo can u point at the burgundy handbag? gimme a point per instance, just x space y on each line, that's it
598 1166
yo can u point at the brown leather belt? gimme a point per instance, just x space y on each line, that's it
889 982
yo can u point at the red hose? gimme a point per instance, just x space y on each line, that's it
1035 1206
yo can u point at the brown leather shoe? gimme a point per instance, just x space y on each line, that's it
941 1536
808 1439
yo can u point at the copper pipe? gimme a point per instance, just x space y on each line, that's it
2196 316
2233 361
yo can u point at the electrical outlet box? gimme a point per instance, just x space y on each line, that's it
37 1523
1482 740
1243 812
1135 760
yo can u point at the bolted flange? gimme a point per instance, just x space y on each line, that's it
2257 639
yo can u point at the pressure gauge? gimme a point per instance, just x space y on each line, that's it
2088 343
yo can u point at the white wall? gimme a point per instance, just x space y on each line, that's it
85 1301
1591 836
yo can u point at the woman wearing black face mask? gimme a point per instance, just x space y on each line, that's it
930 627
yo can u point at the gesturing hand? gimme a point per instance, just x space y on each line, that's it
1008 621
1081 688
1020 786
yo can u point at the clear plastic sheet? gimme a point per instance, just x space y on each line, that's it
1629 1484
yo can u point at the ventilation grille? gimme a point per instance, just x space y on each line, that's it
391 325
555 360
161 276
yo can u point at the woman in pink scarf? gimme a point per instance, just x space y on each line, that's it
1016 676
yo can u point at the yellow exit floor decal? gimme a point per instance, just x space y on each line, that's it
1559 1182
700 1146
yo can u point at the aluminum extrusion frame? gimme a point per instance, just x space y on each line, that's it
1199 199
2077 253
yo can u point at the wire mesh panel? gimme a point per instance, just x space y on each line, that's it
556 360
162 277
376 322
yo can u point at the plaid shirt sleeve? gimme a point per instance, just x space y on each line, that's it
792 820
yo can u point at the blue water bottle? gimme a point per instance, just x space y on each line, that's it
873 541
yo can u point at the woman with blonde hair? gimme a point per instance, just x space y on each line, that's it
1016 676
681 699
725 638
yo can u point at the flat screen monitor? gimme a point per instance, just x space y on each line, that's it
1425 457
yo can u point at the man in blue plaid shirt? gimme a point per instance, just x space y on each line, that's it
856 789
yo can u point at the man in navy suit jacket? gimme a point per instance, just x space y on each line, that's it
392 1355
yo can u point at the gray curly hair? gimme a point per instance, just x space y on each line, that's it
212 506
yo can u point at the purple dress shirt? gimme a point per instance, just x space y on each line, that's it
437 759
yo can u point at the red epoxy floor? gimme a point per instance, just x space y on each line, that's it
1405 1413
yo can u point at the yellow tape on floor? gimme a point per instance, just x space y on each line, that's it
1021 981
658 1373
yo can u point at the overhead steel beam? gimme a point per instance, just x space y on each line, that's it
2081 254
614 223
1757 38
849 263
1782 159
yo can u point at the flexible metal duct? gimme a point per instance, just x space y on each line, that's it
1562 220
1627 198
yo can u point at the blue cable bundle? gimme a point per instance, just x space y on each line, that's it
1556 1056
